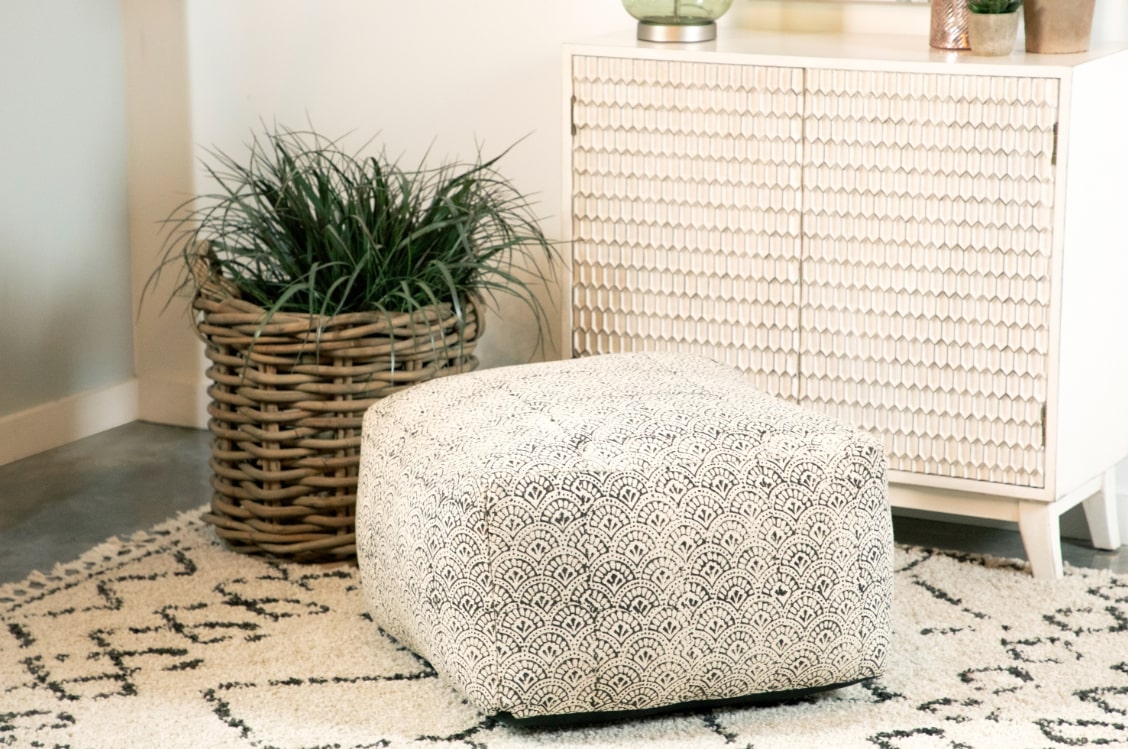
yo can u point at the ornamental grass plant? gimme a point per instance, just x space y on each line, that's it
303 225
994 7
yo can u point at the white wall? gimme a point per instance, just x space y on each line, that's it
831 16
64 286
1110 17
1110 21
425 74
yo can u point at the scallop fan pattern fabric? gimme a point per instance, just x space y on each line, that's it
623 532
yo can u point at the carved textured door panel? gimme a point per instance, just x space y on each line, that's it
877 245
928 233
686 183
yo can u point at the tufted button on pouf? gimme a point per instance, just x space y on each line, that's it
625 532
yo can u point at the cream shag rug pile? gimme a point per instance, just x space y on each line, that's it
169 640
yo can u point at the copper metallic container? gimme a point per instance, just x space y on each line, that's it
949 24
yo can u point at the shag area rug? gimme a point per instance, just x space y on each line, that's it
166 639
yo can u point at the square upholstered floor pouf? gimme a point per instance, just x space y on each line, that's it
628 532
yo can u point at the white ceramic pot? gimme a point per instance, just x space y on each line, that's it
992 34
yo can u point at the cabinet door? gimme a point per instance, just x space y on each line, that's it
928 228
686 212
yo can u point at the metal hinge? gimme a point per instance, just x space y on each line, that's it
572 116
1053 156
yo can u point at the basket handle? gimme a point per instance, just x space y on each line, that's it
206 278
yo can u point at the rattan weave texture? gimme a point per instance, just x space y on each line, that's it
287 402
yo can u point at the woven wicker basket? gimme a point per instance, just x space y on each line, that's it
286 411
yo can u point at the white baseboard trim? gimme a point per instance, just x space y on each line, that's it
56 423
183 403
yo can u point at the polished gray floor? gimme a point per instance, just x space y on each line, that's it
55 505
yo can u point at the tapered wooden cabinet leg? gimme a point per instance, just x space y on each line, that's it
1038 524
1101 514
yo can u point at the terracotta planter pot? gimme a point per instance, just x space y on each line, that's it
1058 26
992 34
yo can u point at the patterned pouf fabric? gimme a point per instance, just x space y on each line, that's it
623 533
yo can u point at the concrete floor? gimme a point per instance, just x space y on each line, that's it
55 505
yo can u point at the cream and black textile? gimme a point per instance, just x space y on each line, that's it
623 533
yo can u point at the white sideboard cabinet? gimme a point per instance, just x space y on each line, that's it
928 245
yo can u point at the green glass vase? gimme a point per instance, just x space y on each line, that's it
677 20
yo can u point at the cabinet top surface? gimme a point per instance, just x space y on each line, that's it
838 50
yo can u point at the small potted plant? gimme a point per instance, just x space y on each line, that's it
992 26
321 280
